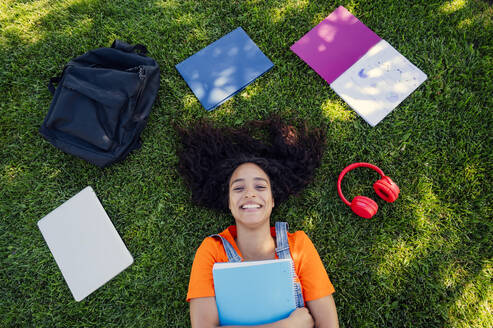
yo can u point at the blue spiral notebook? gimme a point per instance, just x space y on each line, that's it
254 293
223 68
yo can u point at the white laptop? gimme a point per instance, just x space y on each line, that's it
84 243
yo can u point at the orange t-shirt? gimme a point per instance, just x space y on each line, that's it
314 280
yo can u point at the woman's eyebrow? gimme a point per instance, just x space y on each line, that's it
237 180
256 179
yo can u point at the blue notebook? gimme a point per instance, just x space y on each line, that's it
223 68
254 293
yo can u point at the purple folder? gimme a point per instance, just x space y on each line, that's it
335 44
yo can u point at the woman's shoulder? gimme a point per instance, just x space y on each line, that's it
215 240
209 252
211 243
212 247
298 235
298 238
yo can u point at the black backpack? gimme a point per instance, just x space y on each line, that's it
102 103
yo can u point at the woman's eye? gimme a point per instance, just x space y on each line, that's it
261 187
238 189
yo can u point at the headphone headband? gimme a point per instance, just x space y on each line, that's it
352 167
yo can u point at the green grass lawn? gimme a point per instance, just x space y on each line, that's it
424 261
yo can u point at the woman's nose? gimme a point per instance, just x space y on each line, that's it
250 193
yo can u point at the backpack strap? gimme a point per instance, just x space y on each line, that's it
230 251
121 45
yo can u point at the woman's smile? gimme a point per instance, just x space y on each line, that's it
250 206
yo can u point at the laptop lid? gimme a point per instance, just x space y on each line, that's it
84 243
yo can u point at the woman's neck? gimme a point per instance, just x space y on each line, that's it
256 244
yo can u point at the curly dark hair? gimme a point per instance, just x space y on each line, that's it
210 154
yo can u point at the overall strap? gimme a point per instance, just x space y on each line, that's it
282 251
230 251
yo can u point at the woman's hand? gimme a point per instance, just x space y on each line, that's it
300 318
323 311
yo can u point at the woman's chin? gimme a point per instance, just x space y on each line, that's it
252 219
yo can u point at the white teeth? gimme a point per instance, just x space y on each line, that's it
251 206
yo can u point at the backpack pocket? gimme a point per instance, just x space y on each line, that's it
91 103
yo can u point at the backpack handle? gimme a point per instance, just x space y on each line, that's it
121 45
117 44
55 80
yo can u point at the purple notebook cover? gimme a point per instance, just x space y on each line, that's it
335 44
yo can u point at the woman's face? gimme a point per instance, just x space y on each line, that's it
250 195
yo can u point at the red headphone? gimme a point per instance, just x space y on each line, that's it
364 206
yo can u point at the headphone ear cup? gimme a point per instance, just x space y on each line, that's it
386 189
364 206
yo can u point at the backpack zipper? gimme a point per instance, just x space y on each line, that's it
142 73
142 76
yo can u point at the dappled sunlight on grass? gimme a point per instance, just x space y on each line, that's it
254 2
308 223
225 110
321 15
465 23
453 6
336 112
82 25
189 101
24 19
424 207
480 20
251 91
51 172
474 307
399 254
10 173
404 252
453 274
166 4
278 14
187 18
474 174
199 34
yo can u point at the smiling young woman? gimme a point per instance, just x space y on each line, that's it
250 196
229 169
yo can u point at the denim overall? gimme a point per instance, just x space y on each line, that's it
282 252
